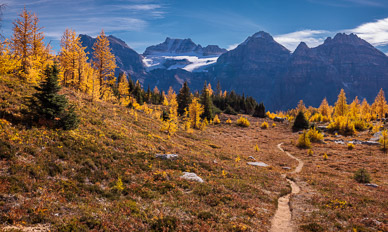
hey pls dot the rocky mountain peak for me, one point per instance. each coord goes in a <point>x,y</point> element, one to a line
<point>343,38</point>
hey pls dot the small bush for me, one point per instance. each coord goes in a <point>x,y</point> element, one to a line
<point>257,148</point>
<point>300,122</point>
<point>310,152</point>
<point>314,135</point>
<point>167,223</point>
<point>264,125</point>
<point>243,122</point>
<point>362,176</point>
<point>350,146</point>
<point>273,124</point>
<point>304,141</point>
<point>325,157</point>
<point>384,140</point>
<point>216,120</point>
<point>228,121</point>
<point>313,227</point>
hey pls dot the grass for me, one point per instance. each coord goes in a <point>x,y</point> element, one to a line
<point>69,180</point>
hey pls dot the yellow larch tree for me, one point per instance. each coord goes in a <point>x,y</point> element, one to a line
<point>8,63</point>
<point>355,108</point>
<point>365,110</point>
<point>105,63</point>
<point>341,106</point>
<point>324,108</point>
<point>123,89</point>
<point>195,112</point>
<point>301,106</point>
<point>380,104</point>
<point>28,46</point>
<point>73,60</point>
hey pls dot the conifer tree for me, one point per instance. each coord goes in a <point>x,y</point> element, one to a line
<point>8,63</point>
<point>183,98</point>
<point>355,107</point>
<point>73,60</point>
<point>46,103</point>
<point>207,103</point>
<point>300,122</point>
<point>195,112</point>
<point>301,106</point>
<point>122,88</point>
<point>137,93</point>
<point>28,46</point>
<point>259,111</point>
<point>341,106</point>
<point>365,108</point>
<point>104,62</point>
<point>324,108</point>
<point>380,104</point>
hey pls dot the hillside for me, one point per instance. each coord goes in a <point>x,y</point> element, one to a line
<point>70,180</point>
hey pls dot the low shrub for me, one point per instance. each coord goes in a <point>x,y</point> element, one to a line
<point>362,176</point>
<point>304,141</point>
<point>243,122</point>
<point>264,125</point>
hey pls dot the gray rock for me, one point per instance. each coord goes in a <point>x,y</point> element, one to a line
<point>371,185</point>
<point>339,141</point>
<point>259,164</point>
<point>370,143</point>
<point>279,119</point>
<point>286,168</point>
<point>322,128</point>
<point>167,156</point>
<point>376,136</point>
<point>251,157</point>
<point>191,176</point>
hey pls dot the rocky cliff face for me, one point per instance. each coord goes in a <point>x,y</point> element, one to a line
<point>262,68</point>
<point>182,47</point>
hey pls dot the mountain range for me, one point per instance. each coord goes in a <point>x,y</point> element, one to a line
<point>260,67</point>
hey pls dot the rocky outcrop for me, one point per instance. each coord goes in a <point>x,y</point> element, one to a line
<point>183,47</point>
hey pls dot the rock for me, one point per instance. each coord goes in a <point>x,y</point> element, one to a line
<point>191,176</point>
<point>286,168</point>
<point>376,136</point>
<point>371,185</point>
<point>279,119</point>
<point>339,141</point>
<point>167,156</point>
<point>370,143</point>
<point>251,157</point>
<point>259,164</point>
<point>215,161</point>
<point>322,128</point>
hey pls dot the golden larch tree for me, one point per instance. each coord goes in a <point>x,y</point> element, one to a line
<point>28,46</point>
<point>105,63</point>
<point>341,106</point>
<point>324,108</point>
<point>380,104</point>
<point>195,112</point>
<point>355,108</point>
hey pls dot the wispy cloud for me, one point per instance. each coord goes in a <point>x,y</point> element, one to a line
<point>311,37</point>
<point>375,33</point>
<point>232,46</point>
<point>87,16</point>
<point>350,3</point>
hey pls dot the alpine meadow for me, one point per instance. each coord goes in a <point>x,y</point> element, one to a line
<point>107,123</point>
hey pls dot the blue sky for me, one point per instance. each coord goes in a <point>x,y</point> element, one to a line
<point>142,23</point>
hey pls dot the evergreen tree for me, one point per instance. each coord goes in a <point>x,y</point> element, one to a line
<point>183,98</point>
<point>48,104</point>
<point>137,93</point>
<point>259,111</point>
<point>207,103</point>
<point>300,122</point>
<point>341,106</point>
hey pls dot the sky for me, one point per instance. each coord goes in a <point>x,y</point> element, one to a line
<point>141,23</point>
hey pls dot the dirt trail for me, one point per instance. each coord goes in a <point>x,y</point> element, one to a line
<point>281,222</point>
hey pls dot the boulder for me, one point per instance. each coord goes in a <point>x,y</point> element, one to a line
<point>376,136</point>
<point>371,185</point>
<point>251,157</point>
<point>259,164</point>
<point>167,156</point>
<point>192,177</point>
<point>279,119</point>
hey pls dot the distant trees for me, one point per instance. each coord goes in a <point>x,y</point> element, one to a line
<point>259,111</point>
<point>380,104</point>
<point>207,103</point>
<point>47,104</point>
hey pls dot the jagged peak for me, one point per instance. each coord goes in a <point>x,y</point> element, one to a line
<point>344,38</point>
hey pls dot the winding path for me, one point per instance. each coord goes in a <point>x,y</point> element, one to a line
<point>281,222</point>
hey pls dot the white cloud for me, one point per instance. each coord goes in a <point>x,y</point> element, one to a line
<point>143,7</point>
<point>231,47</point>
<point>312,38</point>
<point>375,33</point>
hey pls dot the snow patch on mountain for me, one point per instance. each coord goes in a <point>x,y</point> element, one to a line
<point>190,63</point>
